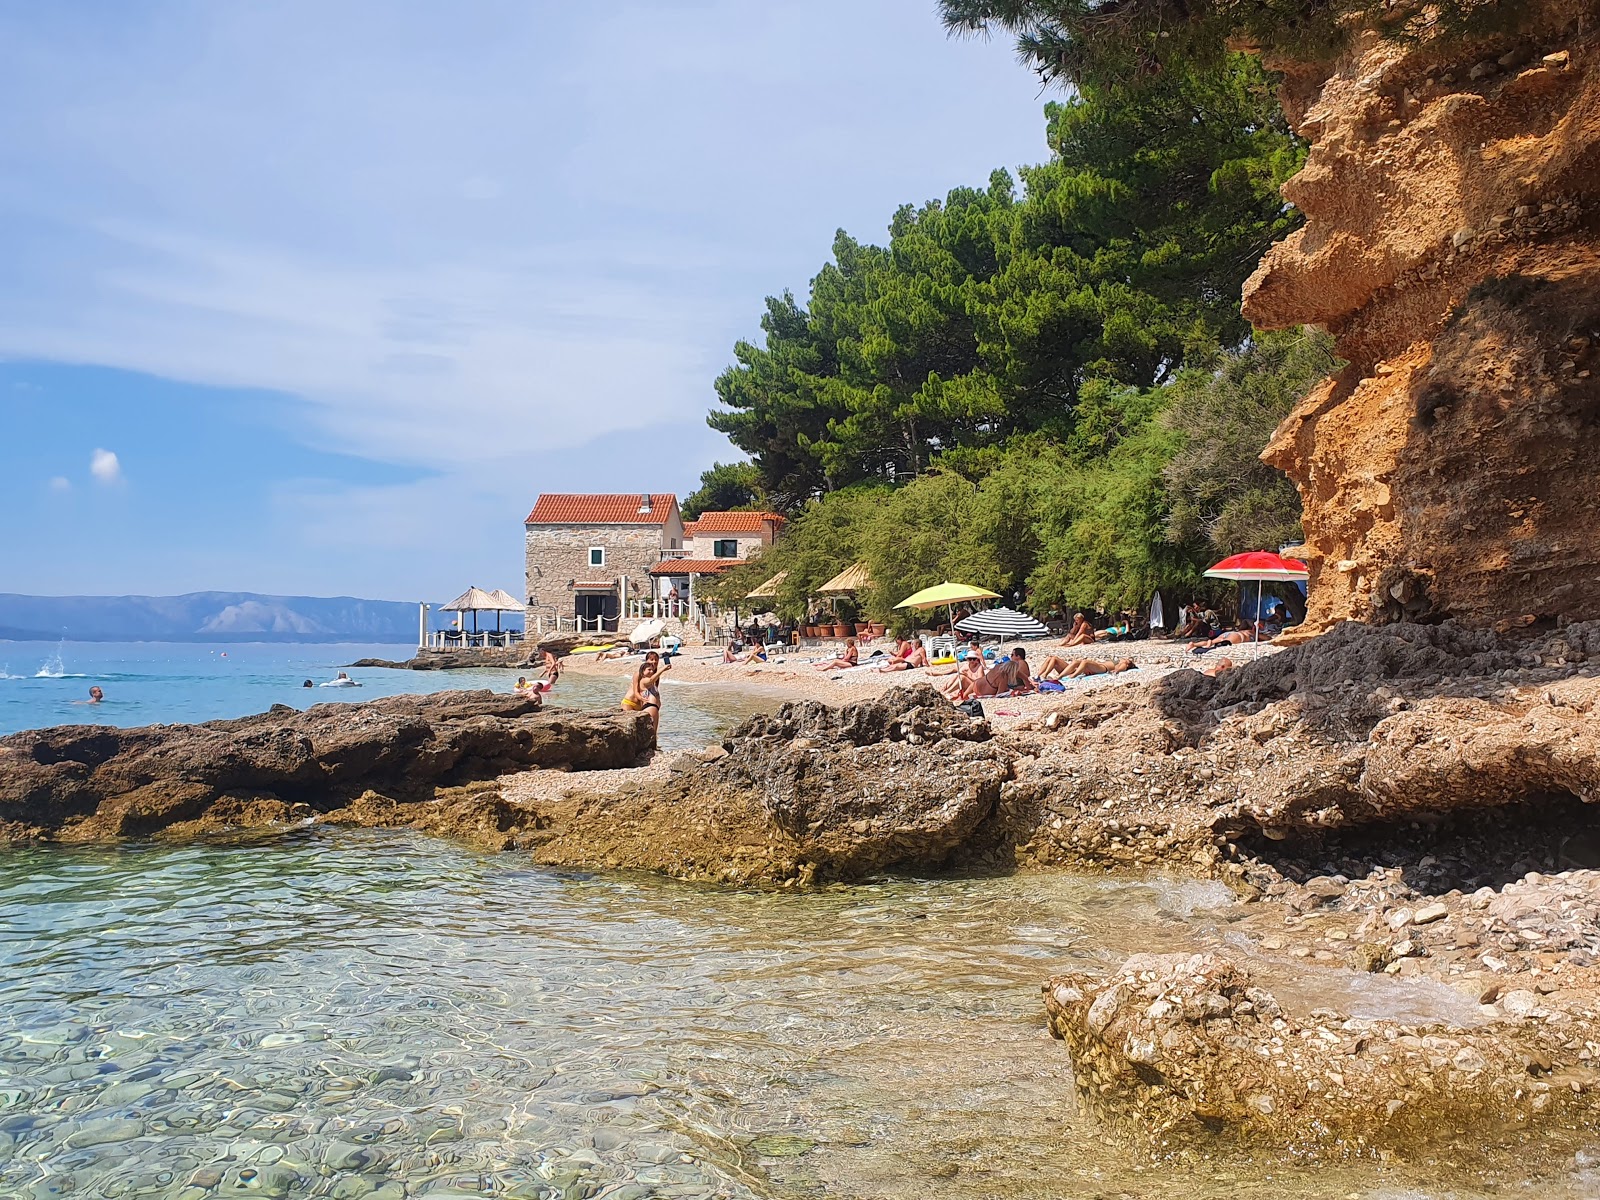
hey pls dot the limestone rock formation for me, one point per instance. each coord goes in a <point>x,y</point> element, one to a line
<point>809,793</point>
<point>79,782</point>
<point>1450,245</point>
<point>1176,1045</point>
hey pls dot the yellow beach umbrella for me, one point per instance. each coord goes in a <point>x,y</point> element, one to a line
<point>948,594</point>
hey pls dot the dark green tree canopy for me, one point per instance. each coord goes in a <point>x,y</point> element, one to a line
<point>1103,44</point>
<point>726,487</point>
<point>987,314</point>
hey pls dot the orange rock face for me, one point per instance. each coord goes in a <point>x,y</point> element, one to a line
<point>1450,245</point>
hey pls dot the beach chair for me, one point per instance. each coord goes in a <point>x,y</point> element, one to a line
<point>942,646</point>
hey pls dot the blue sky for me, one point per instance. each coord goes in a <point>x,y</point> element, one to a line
<point>342,287</point>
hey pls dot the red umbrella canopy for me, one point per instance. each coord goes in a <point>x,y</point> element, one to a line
<point>1259,564</point>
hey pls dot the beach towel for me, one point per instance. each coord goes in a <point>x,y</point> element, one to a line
<point>1052,685</point>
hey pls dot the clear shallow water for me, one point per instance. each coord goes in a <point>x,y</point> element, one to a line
<point>348,1013</point>
<point>153,682</point>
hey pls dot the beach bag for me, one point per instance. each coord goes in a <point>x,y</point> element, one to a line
<point>973,708</point>
<point>1051,685</point>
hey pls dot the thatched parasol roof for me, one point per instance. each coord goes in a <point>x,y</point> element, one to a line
<point>475,599</point>
<point>852,579</point>
<point>768,589</point>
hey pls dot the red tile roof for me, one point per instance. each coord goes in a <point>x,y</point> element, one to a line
<point>731,522</point>
<point>600,508</point>
<point>693,566</point>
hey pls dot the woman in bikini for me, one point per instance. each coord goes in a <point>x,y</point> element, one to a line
<point>1081,633</point>
<point>1008,678</point>
<point>847,658</point>
<point>965,684</point>
<point>644,692</point>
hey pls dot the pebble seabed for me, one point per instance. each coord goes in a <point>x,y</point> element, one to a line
<point>351,1013</point>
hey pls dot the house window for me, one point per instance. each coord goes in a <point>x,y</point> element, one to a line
<point>597,556</point>
<point>725,548</point>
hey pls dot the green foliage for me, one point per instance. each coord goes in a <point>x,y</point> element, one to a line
<point>726,487</point>
<point>992,314</point>
<point>1115,43</point>
<point>1151,487</point>
<point>1221,492</point>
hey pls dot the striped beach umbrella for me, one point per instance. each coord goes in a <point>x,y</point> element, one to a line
<point>1004,623</point>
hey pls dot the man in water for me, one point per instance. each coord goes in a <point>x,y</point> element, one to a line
<point>95,695</point>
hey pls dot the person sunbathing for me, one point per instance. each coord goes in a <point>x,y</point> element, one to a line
<point>906,655</point>
<point>964,686</point>
<point>848,657</point>
<point>1053,666</point>
<point>1081,633</point>
<point>1093,666</point>
<point>1218,667</point>
<point>973,651</point>
<point>1009,677</point>
<point>1234,637</point>
<point>758,654</point>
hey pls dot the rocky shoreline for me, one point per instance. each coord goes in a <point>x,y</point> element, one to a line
<point>1408,805</point>
<point>77,783</point>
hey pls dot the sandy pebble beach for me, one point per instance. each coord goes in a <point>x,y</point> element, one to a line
<point>791,673</point>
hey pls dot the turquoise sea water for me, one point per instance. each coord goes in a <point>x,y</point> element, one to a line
<point>154,682</point>
<point>370,1013</point>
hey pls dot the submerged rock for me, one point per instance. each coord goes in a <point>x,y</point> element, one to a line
<point>1190,1046</point>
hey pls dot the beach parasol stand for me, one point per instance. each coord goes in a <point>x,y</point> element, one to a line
<point>1259,565</point>
<point>507,603</point>
<point>474,600</point>
<point>1003,623</point>
<point>949,595</point>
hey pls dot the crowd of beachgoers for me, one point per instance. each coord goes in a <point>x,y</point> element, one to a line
<point>1007,678</point>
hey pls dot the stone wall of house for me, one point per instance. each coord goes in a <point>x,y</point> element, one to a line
<point>558,553</point>
<point>704,545</point>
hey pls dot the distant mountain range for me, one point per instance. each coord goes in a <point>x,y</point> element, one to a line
<point>210,617</point>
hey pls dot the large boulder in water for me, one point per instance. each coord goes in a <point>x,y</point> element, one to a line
<point>901,780</point>
<point>809,793</point>
<point>77,782</point>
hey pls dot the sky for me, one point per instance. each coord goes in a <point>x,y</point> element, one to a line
<point>299,297</point>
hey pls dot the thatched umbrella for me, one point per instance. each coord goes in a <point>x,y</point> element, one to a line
<point>475,600</point>
<point>508,603</point>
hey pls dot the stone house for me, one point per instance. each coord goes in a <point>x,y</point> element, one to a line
<point>587,555</point>
<point>725,535</point>
<point>714,542</point>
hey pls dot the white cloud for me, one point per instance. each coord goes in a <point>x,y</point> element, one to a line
<point>518,227</point>
<point>60,483</point>
<point>103,465</point>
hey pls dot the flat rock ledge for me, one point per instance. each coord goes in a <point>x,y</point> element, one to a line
<point>76,783</point>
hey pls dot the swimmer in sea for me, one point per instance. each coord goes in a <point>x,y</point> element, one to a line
<point>95,695</point>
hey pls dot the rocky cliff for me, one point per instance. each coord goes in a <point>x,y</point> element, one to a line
<point>1450,246</point>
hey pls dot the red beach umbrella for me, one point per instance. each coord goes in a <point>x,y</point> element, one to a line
<point>1259,565</point>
